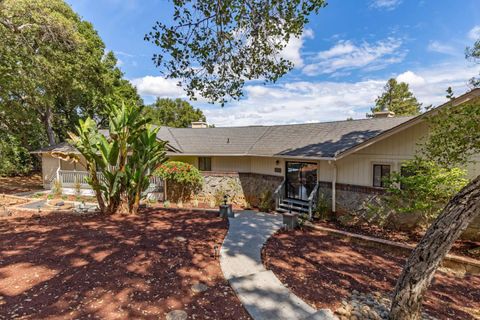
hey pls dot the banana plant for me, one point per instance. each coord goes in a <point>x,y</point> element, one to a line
<point>125,157</point>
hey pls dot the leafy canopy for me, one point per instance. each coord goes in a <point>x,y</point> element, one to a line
<point>213,47</point>
<point>396,97</point>
<point>53,69</point>
<point>173,113</point>
<point>454,134</point>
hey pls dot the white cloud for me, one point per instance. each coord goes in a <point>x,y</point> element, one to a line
<point>385,4</point>
<point>474,33</point>
<point>158,87</point>
<point>316,101</point>
<point>437,46</point>
<point>345,55</point>
<point>411,78</point>
<point>292,51</point>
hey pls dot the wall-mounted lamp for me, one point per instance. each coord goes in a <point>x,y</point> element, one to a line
<point>277,162</point>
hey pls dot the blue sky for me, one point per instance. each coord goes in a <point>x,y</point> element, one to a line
<point>342,61</point>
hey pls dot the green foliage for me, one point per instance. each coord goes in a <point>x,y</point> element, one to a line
<point>322,209</point>
<point>423,188</point>
<point>454,134</point>
<point>473,54</point>
<point>53,71</point>
<point>267,203</point>
<point>213,47</point>
<point>166,204</point>
<point>14,158</point>
<point>182,178</point>
<point>397,98</point>
<point>173,113</point>
<point>125,159</point>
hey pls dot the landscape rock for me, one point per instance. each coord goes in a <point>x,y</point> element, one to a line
<point>177,315</point>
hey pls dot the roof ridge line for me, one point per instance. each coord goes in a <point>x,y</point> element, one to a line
<point>175,138</point>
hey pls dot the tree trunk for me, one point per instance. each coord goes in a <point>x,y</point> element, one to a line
<point>431,250</point>
<point>47,122</point>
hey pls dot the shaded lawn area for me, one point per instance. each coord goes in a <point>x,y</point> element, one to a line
<point>323,270</point>
<point>11,185</point>
<point>62,266</point>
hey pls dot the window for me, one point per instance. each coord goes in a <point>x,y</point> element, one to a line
<point>205,163</point>
<point>380,172</point>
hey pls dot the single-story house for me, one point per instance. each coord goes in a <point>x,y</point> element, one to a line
<point>344,161</point>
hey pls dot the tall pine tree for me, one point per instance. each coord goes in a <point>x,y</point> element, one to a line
<point>397,98</point>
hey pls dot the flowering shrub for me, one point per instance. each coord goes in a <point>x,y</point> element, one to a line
<point>182,179</point>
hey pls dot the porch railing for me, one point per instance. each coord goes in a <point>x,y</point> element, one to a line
<point>279,194</point>
<point>313,200</point>
<point>70,178</point>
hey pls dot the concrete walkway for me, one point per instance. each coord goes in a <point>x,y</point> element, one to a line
<point>259,290</point>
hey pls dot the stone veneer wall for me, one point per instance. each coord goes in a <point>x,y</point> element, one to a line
<point>352,200</point>
<point>240,187</point>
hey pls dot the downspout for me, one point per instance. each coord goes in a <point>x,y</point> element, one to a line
<point>334,187</point>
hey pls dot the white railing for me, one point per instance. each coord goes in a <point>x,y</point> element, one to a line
<point>313,200</point>
<point>70,178</point>
<point>279,194</point>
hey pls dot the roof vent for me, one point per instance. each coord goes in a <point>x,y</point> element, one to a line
<point>384,113</point>
<point>199,125</point>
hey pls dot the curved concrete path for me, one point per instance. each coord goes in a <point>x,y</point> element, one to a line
<point>259,290</point>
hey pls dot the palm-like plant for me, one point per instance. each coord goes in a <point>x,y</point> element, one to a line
<point>125,157</point>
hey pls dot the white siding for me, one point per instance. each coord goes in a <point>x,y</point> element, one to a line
<point>231,164</point>
<point>357,168</point>
<point>49,169</point>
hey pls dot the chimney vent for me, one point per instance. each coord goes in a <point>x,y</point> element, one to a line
<point>199,125</point>
<point>384,113</point>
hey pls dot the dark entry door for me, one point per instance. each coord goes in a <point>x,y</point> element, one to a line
<point>301,178</point>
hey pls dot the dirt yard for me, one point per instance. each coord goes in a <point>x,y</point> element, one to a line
<point>11,185</point>
<point>324,270</point>
<point>62,266</point>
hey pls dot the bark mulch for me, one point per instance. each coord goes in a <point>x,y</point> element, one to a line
<point>461,247</point>
<point>64,266</point>
<point>324,270</point>
<point>11,185</point>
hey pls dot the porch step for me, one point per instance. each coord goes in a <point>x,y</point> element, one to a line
<point>294,206</point>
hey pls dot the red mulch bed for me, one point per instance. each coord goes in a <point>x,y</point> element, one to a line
<point>11,185</point>
<point>460,247</point>
<point>323,270</point>
<point>63,266</point>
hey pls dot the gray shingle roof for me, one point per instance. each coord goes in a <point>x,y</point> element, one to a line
<point>315,140</point>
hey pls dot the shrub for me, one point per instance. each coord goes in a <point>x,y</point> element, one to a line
<point>57,187</point>
<point>14,158</point>
<point>267,202</point>
<point>322,209</point>
<point>219,196</point>
<point>423,188</point>
<point>182,179</point>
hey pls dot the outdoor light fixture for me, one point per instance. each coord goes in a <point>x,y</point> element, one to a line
<point>277,162</point>
<point>225,199</point>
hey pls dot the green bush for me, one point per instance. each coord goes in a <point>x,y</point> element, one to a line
<point>267,203</point>
<point>423,188</point>
<point>182,179</point>
<point>322,209</point>
<point>14,158</point>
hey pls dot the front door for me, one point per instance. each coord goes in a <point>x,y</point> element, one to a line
<point>300,180</point>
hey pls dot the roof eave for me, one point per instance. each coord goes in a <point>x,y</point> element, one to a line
<point>409,123</point>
